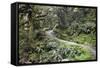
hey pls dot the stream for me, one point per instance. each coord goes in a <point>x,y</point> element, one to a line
<point>51,34</point>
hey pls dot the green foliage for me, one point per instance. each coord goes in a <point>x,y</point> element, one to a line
<point>55,34</point>
<point>85,39</point>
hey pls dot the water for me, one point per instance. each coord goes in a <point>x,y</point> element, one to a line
<point>51,34</point>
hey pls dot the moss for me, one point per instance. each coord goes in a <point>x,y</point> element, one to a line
<point>85,39</point>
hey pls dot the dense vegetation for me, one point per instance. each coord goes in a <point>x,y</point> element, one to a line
<point>56,34</point>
